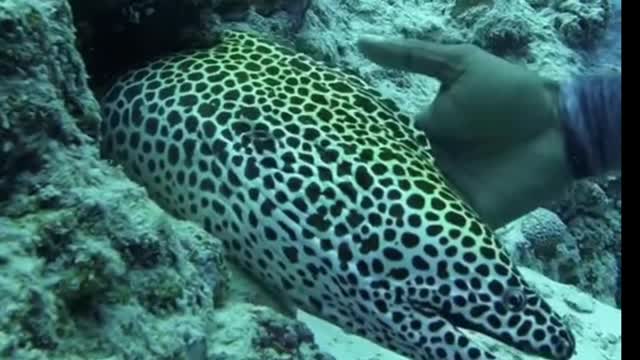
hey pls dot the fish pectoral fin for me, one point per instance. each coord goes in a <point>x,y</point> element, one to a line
<point>439,338</point>
<point>245,288</point>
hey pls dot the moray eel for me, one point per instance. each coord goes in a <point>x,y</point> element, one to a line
<point>323,190</point>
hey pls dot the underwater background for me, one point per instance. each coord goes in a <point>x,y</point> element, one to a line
<point>92,268</point>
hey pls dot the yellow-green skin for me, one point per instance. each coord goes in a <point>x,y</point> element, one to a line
<point>321,189</point>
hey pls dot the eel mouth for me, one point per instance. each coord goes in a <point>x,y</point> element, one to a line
<point>457,321</point>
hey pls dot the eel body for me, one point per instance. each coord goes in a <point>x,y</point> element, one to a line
<point>323,190</point>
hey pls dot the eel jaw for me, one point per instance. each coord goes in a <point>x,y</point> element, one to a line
<point>456,321</point>
<point>440,339</point>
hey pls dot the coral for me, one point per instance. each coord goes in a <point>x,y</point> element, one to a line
<point>586,255</point>
<point>546,245</point>
<point>545,232</point>
<point>581,249</point>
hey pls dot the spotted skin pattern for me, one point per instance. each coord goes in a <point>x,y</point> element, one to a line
<point>322,189</point>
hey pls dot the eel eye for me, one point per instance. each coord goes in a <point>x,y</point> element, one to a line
<point>514,299</point>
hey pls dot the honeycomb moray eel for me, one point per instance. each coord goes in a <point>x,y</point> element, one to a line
<point>321,188</point>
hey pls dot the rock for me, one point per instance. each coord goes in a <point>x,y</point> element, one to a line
<point>607,56</point>
<point>591,209</point>
<point>612,187</point>
<point>250,332</point>
<point>332,28</point>
<point>234,10</point>
<point>581,303</point>
<point>117,34</point>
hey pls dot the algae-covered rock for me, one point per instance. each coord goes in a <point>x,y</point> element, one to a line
<point>105,261</point>
<point>248,332</point>
<point>461,6</point>
<point>34,117</point>
<point>584,198</point>
<point>90,267</point>
<point>505,34</point>
<point>581,24</point>
<point>592,211</point>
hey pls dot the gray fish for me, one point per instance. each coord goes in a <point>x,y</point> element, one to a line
<point>321,188</point>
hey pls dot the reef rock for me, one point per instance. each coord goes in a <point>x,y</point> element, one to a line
<point>91,268</point>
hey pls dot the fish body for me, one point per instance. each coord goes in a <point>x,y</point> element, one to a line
<point>321,188</point>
